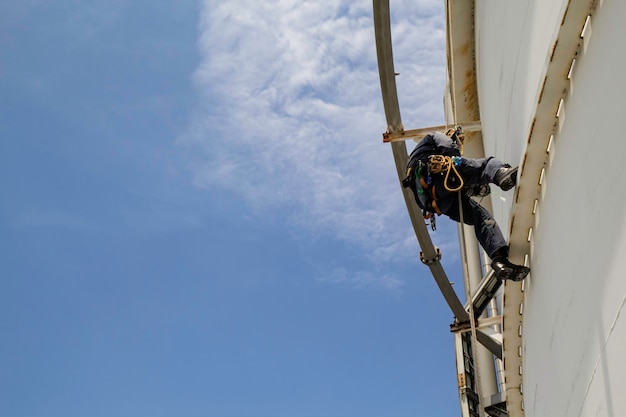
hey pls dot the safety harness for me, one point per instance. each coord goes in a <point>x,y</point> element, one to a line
<point>420,173</point>
<point>442,163</point>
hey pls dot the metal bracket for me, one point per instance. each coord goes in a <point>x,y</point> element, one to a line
<point>417,134</point>
<point>486,291</point>
<point>430,261</point>
<point>492,344</point>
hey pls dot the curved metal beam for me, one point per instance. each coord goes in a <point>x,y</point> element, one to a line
<point>382,29</point>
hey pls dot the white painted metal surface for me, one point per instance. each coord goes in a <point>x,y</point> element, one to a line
<point>533,97</point>
<point>575,320</point>
<point>513,41</point>
<point>565,335</point>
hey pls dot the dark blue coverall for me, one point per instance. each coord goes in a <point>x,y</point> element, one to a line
<point>473,171</point>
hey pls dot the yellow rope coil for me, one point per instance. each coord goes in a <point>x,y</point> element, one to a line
<point>443,163</point>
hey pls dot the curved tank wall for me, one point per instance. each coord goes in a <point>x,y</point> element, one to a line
<point>574,322</point>
<point>513,41</point>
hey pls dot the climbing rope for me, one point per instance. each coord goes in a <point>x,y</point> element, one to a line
<point>468,297</point>
<point>447,164</point>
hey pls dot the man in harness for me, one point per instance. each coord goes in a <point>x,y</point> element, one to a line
<point>439,176</point>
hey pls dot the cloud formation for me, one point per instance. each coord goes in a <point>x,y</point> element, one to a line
<point>291,112</point>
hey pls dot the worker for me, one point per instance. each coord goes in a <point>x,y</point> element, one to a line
<point>439,176</point>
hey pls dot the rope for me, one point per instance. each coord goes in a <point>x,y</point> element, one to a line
<point>468,296</point>
<point>443,163</point>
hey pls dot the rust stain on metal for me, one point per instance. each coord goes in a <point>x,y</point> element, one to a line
<point>532,127</point>
<point>470,94</point>
<point>553,50</point>
<point>565,14</point>
<point>470,137</point>
<point>463,49</point>
<point>543,87</point>
<point>522,165</point>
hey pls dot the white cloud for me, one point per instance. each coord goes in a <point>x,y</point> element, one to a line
<point>292,115</point>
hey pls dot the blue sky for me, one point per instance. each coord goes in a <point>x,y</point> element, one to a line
<point>199,217</point>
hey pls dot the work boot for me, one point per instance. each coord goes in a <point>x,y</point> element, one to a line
<point>506,177</point>
<point>504,269</point>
